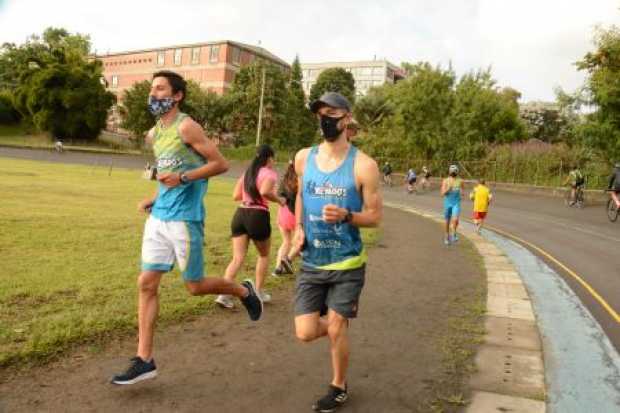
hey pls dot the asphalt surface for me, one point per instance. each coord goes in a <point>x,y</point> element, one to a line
<point>582,239</point>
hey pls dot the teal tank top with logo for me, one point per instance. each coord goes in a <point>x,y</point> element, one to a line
<point>331,246</point>
<point>183,202</point>
<point>453,196</point>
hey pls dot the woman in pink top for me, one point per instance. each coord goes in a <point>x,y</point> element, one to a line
<point>255,188</point>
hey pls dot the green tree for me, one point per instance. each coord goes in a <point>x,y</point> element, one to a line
<point>136,117</point>
<point>334,79</point>
<point>244,100</point>
<point>423,104</point>
<point>373,108</point>
<point>300,122</point>
<point>8,113</point>
<point>55,85</point>
<point>602,128</point>
<point>480,115</point>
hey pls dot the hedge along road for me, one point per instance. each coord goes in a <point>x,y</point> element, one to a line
<point>583,240</point>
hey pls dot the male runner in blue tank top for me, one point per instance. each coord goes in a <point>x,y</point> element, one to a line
<point>173,233</point>
<point>338,194</point>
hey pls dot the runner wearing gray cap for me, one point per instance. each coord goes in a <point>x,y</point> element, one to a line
<point>339,192</point>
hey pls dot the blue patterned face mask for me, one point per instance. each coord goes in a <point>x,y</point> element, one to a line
<point>158,107</point>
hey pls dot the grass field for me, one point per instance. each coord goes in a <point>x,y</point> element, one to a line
<point>70,240</point>
<point>18,136</point>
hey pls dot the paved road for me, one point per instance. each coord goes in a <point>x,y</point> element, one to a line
<point>583,240</point>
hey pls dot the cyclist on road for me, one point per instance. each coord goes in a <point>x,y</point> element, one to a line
<point>411,180</point>
<point>614,184</point>
<point>577,180</point>
<point>387,174</point>
<point>426,174</point>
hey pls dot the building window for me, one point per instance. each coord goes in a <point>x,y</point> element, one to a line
<point>195,55</point>
<point>366,71</point>
<point>114,80</point>
<point>378,71</point>
<point>214,54</point>
<point>236,55</point>
<point>177,56</point>
<point>161,58</point>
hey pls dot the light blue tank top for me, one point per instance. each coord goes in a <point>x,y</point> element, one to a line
<point>453,196</point>
<point>183,202</point>
<point>331,246</point>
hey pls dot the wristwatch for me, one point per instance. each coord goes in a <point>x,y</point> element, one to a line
<point>183,178</point>
<point>348,217</point>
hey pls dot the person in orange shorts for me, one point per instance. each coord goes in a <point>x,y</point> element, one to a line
<point>481,195</point>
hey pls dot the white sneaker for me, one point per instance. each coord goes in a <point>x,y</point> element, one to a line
<point>225,301</point>
<point>265,297</point>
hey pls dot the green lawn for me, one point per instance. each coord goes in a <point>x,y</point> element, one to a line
<point>70,239</point>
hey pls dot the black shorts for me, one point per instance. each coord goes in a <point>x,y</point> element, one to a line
<point>317,290</point>
<point>412,181</point>
<point>253,222</point>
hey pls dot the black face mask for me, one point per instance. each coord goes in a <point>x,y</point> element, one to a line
<point>329,127</point>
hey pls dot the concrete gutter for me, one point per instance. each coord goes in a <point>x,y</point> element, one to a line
<point>510,372</point>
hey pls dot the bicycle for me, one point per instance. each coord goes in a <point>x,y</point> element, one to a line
<point>579,200</point>
<point>387,180</point>
<point>612,209</point>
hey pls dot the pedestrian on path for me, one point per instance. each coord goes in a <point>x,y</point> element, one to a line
<point>482,197</point>
<point>451,190</point>
<point>251,222</point>
<point>338,193</point>
<point>286,222</point>
<point>174,230</point>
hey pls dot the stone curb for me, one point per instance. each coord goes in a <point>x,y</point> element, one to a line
<point>510,373</point>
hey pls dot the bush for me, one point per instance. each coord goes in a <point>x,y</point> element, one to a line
<point>8,113</point>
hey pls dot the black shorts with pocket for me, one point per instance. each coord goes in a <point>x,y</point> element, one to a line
<point>319,290</point>
<point>253,222</point>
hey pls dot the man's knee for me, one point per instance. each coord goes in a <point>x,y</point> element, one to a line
<point>337,327</point>
<point>305,336</point>
<point>306,331</point>
<point>148,283</point>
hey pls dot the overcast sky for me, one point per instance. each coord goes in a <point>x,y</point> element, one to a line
<point>531,45</point>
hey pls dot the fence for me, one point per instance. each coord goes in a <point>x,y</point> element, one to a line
<point>520,171</point>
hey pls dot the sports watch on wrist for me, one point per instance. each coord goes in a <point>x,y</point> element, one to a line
<point>348,217</point>
<point>183,178</point>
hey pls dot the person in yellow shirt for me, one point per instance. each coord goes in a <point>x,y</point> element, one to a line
<point>481,195</point>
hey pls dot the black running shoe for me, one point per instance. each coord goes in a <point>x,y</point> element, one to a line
<point>252,302</point>
<point>334,398</point>
<point>287,266</point>
<point>138,370</point>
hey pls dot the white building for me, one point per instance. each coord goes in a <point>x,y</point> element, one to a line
<point>366,73</point>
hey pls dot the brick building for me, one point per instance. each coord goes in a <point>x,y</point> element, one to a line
<point>213,64</point>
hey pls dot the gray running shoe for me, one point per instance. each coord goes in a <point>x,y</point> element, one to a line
<point>225,301</point>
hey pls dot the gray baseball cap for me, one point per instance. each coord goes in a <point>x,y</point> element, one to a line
<point>333,99</point>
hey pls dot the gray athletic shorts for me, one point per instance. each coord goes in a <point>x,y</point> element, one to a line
<point>318,290</point>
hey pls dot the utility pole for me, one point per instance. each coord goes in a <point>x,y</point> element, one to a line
<point>260,110</point>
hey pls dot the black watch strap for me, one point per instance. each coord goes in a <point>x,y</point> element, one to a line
<point>183,178</point>
<point>348,217</point>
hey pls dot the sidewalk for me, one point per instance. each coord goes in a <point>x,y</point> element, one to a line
<point>416,295</point>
